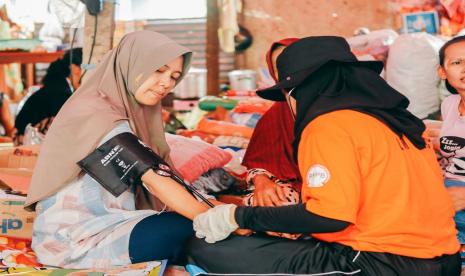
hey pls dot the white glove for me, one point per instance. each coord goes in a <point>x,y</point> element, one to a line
<point>216,224</point>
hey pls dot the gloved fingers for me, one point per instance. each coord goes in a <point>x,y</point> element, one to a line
<point>215,237</point>
<point>215,224</point>
<point>199,227</point>
<point>210,240</point>
<point>196,224</point>
<point>200,234</point>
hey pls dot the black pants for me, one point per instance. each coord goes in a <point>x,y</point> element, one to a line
<point>261,254</point>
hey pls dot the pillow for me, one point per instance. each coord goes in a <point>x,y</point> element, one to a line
<point>192,158</point>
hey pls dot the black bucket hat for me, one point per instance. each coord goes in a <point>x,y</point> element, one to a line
<point>307,55</point>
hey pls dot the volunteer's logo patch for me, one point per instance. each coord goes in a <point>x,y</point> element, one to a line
<point>317,176</point>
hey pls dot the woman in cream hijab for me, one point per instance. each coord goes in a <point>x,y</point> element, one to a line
<point>79,224</point>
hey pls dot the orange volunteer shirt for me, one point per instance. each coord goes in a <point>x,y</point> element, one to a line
<point>355,169</point>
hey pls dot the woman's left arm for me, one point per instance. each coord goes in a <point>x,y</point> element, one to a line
<point>6,120</point>
<point>173,195</point>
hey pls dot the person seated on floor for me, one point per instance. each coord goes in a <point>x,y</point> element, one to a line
<point>5,120</point>
<point>272,171</point>
<point>102,187</point>
<point>373,197</point>
<point>452,134</point>
<point>61,79</point>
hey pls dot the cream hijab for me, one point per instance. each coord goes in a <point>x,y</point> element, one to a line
<point>104,99</point>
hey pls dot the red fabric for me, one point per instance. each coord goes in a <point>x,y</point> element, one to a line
<point>282,42</point>
<point>270,147</point>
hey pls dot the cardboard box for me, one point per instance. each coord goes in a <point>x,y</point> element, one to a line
<point>19,157</point>
<point>17,180</point>
<point>16,165</point>
<point>14,220</point>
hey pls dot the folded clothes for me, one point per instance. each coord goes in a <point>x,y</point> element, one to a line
<point>215,181</point>
<point>231,141</point>
<point>200,135</point>
<point>253,106</point>
<point>245,119</point>
<point>224,128</point>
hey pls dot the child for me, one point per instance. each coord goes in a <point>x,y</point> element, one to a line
<point>452,136</point>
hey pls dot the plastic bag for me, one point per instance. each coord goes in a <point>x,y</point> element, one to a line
<point>373,43</point>
<point>32,136</point>
<point>411,70</point>
<point>51,33</point>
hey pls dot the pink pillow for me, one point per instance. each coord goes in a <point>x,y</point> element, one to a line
<point>192,158</point>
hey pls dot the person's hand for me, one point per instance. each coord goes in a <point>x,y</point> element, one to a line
<point>243,232</point>
<point>13,133</point>
<point>216,224</point>
<point>284,235</point>
<point>18,139</point>
<point>44,125</point>
<point>432,133</point>
<point>458,197</point>
<point>239,232</point>
<point>267,193</point>
<point>432,136</point>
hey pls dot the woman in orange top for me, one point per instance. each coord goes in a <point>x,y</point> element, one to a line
<point>372,192</point>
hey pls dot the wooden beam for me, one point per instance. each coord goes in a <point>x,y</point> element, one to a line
<point>104,34</point>
<point>29,57</point>
<point>212,54</point>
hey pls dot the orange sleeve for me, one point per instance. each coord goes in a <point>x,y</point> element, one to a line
<point>330,171</point>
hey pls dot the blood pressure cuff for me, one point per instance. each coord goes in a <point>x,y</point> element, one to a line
<point>121,161</point>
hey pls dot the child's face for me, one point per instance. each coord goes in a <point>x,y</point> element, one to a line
<point>454,66</point>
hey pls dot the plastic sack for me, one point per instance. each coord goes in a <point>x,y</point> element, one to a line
<point>32,136</point>
<point>51,34</point>
<point>411,70</point>
<point>373,43</point>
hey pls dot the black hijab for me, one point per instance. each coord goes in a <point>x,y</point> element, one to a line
<point>328,77</point>
<point>337,86</point>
